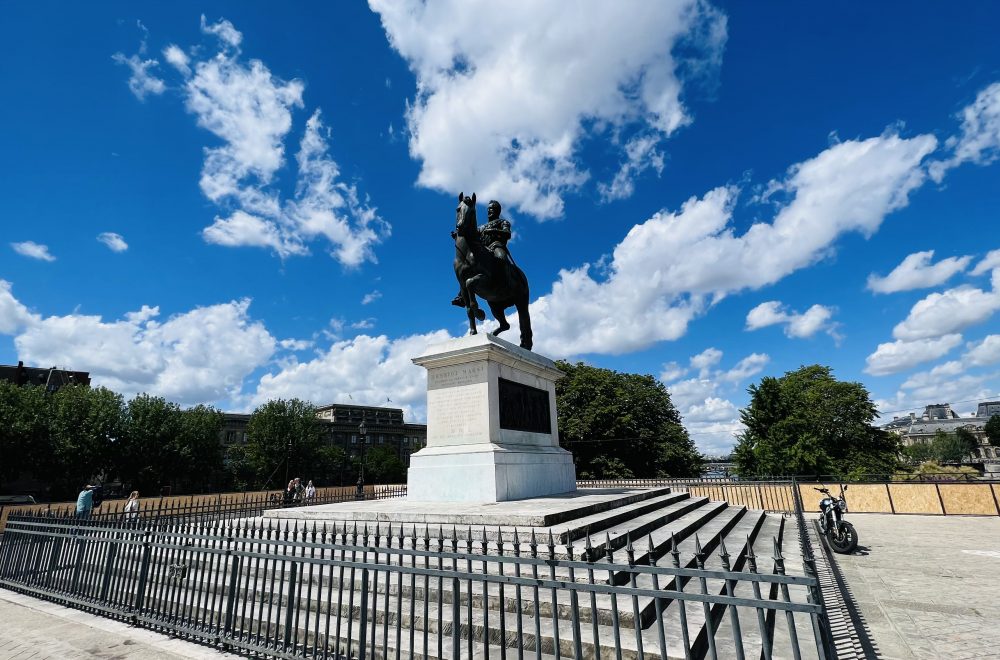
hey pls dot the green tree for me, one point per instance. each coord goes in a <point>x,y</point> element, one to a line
<point>198,446</point>
<point>383,466</point>
<point>86,427</point>
<point>151,454</point>
<point>621,424</point>
<point>808,422</point>
<point>949,447</point>
<point>277,429</point>
<point>24,433</point>
<point>992,429</point>
<point>919,452</point>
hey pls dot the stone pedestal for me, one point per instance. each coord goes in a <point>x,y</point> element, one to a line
<point>492,434</point>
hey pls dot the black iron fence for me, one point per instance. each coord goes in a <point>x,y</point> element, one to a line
<point>207,509</point>
<point>342,591</point>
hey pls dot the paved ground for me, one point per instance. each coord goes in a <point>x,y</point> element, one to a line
<point>927,586</point>
<point>35,629</point>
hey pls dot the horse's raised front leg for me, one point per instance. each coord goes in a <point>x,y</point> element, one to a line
<point>498,314</point>
<point>472,305</point>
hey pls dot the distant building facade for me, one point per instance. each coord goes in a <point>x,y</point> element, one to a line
<point>914,429</point>
<point>51,378</point>
<point>384,427</point>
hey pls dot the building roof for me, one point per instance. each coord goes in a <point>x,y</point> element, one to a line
<point>52,377</point>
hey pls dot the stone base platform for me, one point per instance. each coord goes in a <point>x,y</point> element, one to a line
<point>533,512</point>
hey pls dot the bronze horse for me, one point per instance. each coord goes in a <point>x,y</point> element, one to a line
<point>480,273</point>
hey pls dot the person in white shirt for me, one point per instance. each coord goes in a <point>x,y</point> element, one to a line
<point>132,506</point>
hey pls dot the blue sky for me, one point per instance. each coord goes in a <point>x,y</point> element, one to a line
<point>231,202</point>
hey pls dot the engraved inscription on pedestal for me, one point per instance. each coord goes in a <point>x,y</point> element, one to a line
<point>523,408</point>
<point>456,413</point>
<point>466,374</point>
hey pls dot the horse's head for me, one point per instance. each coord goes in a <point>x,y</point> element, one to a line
<point>465,214</point>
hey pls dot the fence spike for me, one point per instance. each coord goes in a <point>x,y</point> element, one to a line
<point>697,544</point>
<point>777,548</point>
<point>609,551</point>
<point>651,550</point>
<point>751,557</point>
<point>722,550</point>
<point>486,542</point>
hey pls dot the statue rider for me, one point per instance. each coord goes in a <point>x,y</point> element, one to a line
<point>494,236</point>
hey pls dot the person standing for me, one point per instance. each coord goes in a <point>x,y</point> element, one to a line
<point>85,502</point>
<point>132,506</point>
<point>299,490</point>
<point>310,491</point>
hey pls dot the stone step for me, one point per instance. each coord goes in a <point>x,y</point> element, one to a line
<point>640,526</point>
<point>618,517</point>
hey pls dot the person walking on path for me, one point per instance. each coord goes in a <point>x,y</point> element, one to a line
<point>299,490</point>
<point>290,493</point>
<point>85,502</point>
<point>310,491</point>
<point>132,506</point>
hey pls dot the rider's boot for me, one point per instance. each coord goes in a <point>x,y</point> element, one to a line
<point>458,301</point>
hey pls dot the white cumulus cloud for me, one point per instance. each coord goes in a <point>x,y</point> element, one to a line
<point>202,355</point>
<point>802,325</point>
<point>983,352</point>
<point>917,272</point>
<point>711,418</point>
<point>988,263</point>
<point>13,314</point>
<point>114,241</point>
<point>947,312</point>
<point>670,268</point>
<point>33,250</point>
<point>979,139</point>
<point>252,113</point>
<point>507,92</point>
<point>141,81</point>
<point>900,355</point>
<point>364,370</point>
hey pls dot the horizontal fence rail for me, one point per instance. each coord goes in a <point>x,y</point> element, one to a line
<point>208,508</point>
<point>898,496</point>
<point>376,592</point>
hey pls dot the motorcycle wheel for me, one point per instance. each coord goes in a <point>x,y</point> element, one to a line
<point>843,540</point>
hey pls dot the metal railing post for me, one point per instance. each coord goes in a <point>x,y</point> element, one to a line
<point>234,577</point>
<point>140,591</point>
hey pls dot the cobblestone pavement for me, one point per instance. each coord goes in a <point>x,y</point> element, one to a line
<point>35,629</point>
<point>927,586</point>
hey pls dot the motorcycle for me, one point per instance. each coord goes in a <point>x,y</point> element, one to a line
<point>841,534</point>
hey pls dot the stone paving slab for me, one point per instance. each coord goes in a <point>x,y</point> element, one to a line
<point>928,587</point>
<point>35,629</point>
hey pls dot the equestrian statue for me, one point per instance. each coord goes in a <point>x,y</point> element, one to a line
<point>484,268</point>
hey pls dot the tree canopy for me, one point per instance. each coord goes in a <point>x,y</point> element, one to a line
<point>992,429</point>
<point>943,447</point>
<point>280,428</point>
<point>808,422</point>
<point>621,425</point>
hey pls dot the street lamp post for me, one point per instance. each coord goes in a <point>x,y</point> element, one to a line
<point>288,453</point>
<point>362,438</point>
